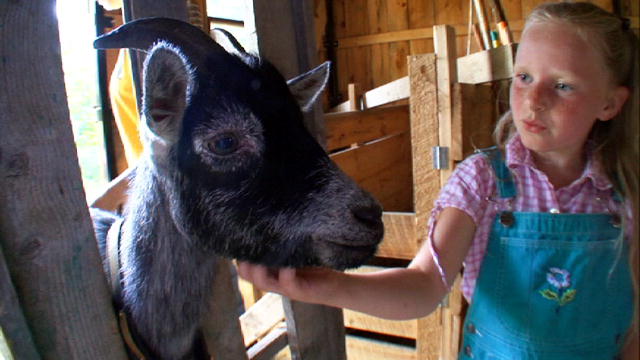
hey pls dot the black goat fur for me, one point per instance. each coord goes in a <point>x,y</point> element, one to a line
<point>228,170</point>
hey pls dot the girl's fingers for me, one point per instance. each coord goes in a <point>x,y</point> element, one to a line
<point>261,276</point>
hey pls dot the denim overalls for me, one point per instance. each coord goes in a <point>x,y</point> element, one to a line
<point>551,286</point>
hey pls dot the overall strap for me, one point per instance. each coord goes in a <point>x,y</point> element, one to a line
<point>504,181</point>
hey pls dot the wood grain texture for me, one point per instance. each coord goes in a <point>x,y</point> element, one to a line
<point>221,324</point>
<point>360,348</point>
<point>46,234</point>
<point>424,136</point>
<point>382,167</point>
<point>400,241</point>
<point>344,129</point>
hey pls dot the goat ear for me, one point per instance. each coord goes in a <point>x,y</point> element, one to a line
<point>167,85</point>
<point>307,87</point>
<point>228,42</point>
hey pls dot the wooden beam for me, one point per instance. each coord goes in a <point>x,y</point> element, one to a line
<point>221,324</point>
<point>14,330</point>
<point>400,240</point>
<point>489,65</point>
<point>270,345</point>
<point>382,167</point>
<point>361,348</point>
<point>382,95</point>
<point>357,127</point>
<point>45,231</point>
<point>445,45</point>
<point>314,332</point>
<point>262,317</point>
<point>412,34</point>
<point>390,92</point>
<point>424,119</point>
<point>286,37</point>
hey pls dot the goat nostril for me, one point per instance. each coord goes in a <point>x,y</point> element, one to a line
<point>368,214</point>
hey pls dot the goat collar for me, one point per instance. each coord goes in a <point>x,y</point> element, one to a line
<point>113,257</point>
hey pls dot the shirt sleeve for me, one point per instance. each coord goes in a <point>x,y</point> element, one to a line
<point>468,189</point>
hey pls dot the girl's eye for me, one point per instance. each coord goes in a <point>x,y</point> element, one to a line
<point>563,87</point>
<point>224,144</point>
<point>522,77</point>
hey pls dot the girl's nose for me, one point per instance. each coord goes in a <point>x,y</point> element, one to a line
<point>536,98</point>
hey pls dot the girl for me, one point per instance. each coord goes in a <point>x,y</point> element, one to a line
<point>538,221</point>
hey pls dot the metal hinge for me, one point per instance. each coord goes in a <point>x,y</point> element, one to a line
<point>440,157</point>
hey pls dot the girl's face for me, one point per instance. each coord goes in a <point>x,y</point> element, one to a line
<point>560,89</point>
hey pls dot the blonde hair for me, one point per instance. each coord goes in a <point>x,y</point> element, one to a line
<point>616,141</point>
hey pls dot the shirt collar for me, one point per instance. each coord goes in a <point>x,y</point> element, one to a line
<point>518,155</point>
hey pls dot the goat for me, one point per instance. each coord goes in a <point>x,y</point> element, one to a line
<point>228,169</point>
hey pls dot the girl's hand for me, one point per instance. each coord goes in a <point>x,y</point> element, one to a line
<point>308,284</point>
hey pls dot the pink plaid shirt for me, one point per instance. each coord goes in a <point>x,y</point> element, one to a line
<point>472,189</point>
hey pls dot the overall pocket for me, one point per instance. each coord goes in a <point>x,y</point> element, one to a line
<point>561,292</point>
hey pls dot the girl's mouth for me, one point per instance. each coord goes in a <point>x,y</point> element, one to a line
<point>533,126</point>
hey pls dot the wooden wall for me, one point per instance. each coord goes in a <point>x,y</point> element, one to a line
<point>374,37</point>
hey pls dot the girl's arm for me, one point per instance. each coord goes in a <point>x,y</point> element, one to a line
<point>396,293</point>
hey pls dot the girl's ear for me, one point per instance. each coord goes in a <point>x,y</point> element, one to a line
<point>617,97</point>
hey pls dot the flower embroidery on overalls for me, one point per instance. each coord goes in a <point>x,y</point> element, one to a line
<point>560,279</point>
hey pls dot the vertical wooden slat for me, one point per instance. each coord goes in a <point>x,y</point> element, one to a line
<point>221,326</point>
<point>445,44</point>
<point>424,119</point>
<point>380,58</point>
<point>45,231</point>
<point>314,332</point>
<point>13,325</point>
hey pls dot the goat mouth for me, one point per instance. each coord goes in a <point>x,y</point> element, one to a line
<point>352,248</point>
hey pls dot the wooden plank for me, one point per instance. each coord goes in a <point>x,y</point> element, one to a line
<point>418,34</point>
<point>387,37</point>
<point>429,341</point>
<point>270,346</point>
<point>344,129</point>
<point>221,325</point>
<point>393,91</point>
<point>16,341</point>
<point>359,348</point>
<point>485,66</point>
<point>390,92</point>
<point>382,167</point>
<point>354,94</point>
<point>380,58</point>
<point>424,119</point>
<point>114,196</point>
<point>400,241</point>
<point>359,162</point>
<point>314,331</point>
<point>478,116</point>
<point>261,318</point>
<point>284,33</point>
<point>360,321</point>
<point>446,75</point>
<point>45,231</point>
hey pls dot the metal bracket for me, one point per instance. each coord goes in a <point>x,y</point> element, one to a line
<point>440,157</point>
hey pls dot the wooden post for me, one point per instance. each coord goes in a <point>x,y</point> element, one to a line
<point>285,31</point>
<point>285,36</point>
<point>222,325</point>
<point>12,322</point>
<point>449,134</point>
<point>315,332</point>
<point>424,122</point>
<point>45,231</point>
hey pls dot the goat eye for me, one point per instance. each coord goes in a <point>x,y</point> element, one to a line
<point>225,144</point>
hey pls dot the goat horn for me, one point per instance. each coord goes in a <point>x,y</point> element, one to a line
<point>142,34</point>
